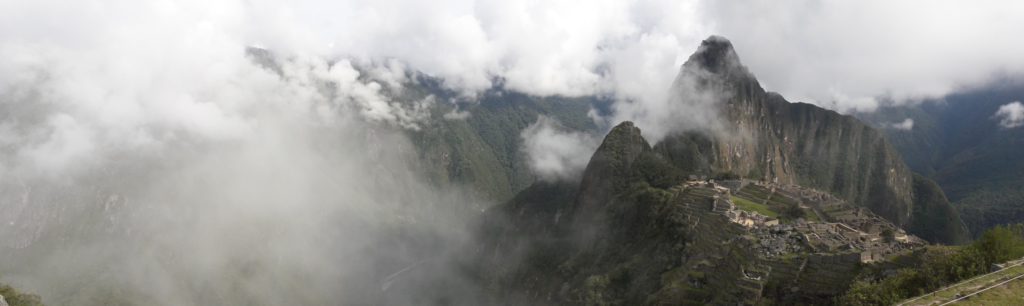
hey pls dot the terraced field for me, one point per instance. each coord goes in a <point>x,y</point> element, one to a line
<point>766,202</point>
<point>993,287</point>
<point>749,205</point>
<point>1011,293</point>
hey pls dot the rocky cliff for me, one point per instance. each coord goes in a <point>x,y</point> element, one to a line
<point>760,135</point>
<point>632,233</point>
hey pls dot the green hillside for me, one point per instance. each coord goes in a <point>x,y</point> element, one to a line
<point>957,142</point>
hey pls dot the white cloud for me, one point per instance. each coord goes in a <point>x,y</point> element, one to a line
<point>686,106</point>
<point>842,54</point>
<point>158,98</point>
<point>1010,115</point>
<point>554,153</point>
<point>839,55</point>
<point>905,125</point>
<point>140,136</point>
<point>457,114</point>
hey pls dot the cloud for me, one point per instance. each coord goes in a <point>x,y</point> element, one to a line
<point>145,151</point>
<point>1010,115</point>
<point>554,153</point>
<point>688,105</point>
<point>906,125</point>
<point>457,114</point>
<point>843,55</point>
<point>207,166</point>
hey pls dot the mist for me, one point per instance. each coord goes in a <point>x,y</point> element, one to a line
<point>252,152</point>
<point>197,171</point>
<point>292,214</point>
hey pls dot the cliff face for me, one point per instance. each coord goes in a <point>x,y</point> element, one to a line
<point>629,233</point>
<point>956,141</point>
<point>614,238</point>
<point>760,135</point>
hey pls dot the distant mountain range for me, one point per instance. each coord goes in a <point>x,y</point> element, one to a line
<point>959,142</point>
<point>764,199</point>
<point>631,230</point>
<point>758,135</point>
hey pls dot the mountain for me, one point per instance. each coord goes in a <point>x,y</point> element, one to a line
<point>755,134</point>
<point>763,136</point>
<point>476,140</point>
<point>633,231</point>
<point>803,199</point>
<point>958,142</point>
<point>483,150</point>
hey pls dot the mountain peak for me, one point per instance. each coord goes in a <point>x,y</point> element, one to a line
<point>626,135</point>
<point>610,166</point>
<point>716,55</point>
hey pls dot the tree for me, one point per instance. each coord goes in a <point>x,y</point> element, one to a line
<point>15,298</point>
<point>793,211</point>
<point>888,235</point>
<point>1000,244</point>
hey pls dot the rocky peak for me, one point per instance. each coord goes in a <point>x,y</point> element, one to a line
<point>620,148</point>
<point>612,160</point>
<point>716,58</point>
<point>625,140</point>
<point>764,137</point>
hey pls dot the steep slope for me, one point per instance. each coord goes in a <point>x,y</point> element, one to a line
<point>612,242</point>
<point>632,232</point>
<point>470,141</point>
<point>760,135</point>
<point>483,150</point>
<point>957,142</point>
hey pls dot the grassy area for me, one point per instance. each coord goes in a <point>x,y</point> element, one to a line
<point>748,205</point>
<point>973,285</point>
<point>754,192</point>
<point>965,269</point>
<point>811,216</point>
<point>1011,293</point>
<point>781,200</point>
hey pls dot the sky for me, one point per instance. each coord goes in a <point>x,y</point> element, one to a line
<point>140,99</point>
<point>841,55</point>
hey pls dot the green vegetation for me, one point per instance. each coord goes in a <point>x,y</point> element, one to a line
<point>949,293</point>
<point>484,150</point>
<point>934,218</point>
<point>888,235</point>
<point>15,298</point>
<point>811,216</point>
<point>776,205</point>
<point>1008,294</point>
<point>954,142</point>
<point>793,211</point>
<point>748,205</point>
<point>938,269</point>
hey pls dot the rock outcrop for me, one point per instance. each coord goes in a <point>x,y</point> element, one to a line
<point>760,135</point>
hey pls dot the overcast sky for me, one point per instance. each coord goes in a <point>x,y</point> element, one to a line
<point>839,54</point>
<point>155,104</point>
<point>79,76</point>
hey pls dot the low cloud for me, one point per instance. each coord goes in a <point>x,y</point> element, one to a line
<point>905,125</point>
<point>556,153</point>
<point>185,174</point>
<point>844,55</point>
<point>457,114</point>
<point>1010,115</point>
<point>144,150</point>
<point>688,105</point>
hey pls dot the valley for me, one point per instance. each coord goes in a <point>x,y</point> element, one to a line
<point>481,152</point>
